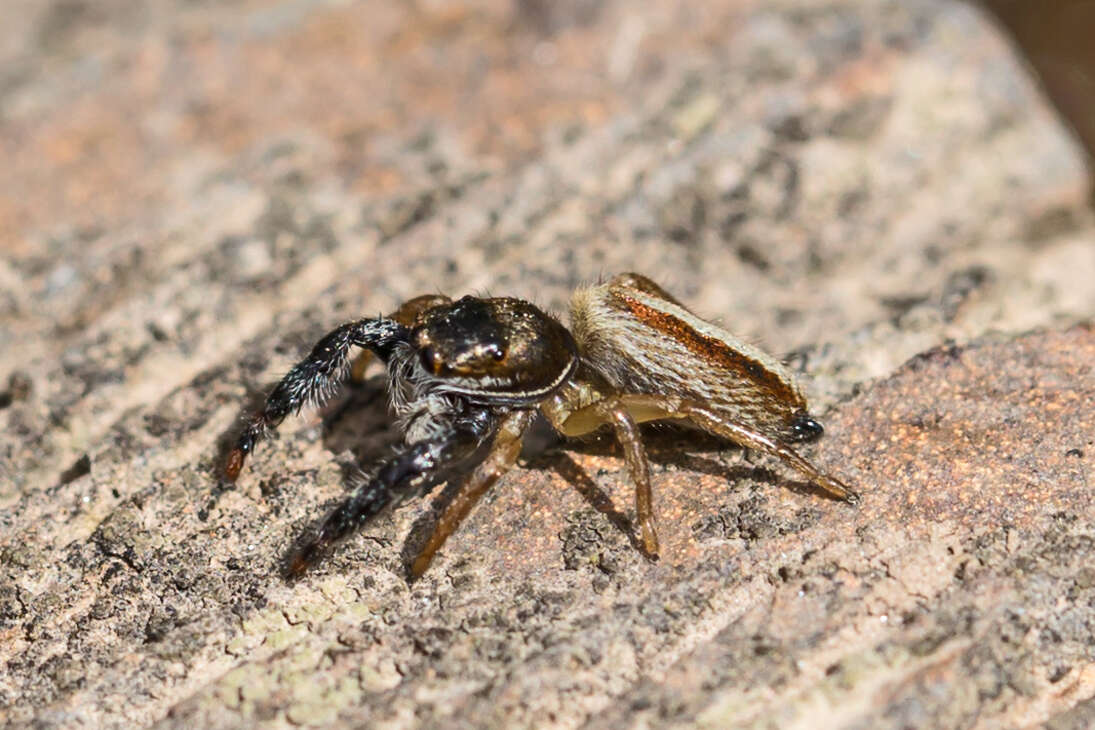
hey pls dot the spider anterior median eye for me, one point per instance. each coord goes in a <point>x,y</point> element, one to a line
<point>433,361</point>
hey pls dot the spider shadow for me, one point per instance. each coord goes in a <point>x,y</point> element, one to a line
<point>666,445</point>
<point>356,420</point>
<point>682,447</point>
<point>359,422</point>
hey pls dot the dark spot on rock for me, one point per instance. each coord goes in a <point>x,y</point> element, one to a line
<point>1058,673</point>
<point>683,217</point>
<point>79,468</point>
<point>433,641</point>
<point>901,304</point>
<point>405,213</point>
<point>156,424</point>
<point>550,17</point>
<point>19,389</point>
<point>750,256</point>
<point>959,286</point>
<point>790,128</point>
<point>1051,224</point>
<point>862,119</point>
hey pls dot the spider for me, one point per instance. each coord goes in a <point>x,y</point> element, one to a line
<point>467,377</point>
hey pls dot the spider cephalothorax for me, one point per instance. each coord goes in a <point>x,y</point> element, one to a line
<point>467,378</point>
<point>494,351</point>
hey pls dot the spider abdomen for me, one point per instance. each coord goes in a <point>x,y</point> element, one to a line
<point>639,339</point>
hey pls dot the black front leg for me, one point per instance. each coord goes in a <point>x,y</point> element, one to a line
<point>314,379</point>
<point>417,466</point>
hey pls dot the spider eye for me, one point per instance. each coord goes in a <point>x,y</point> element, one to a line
<point>434,362</point>
<point>497,352</point>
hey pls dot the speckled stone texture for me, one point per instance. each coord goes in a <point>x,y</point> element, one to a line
<point>194,192</point>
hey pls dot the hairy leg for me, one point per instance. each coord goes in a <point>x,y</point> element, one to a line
<point>640,408</point>
<point>503,454</point>
<point>714,422</point>
<point>406,315</point>
<point>313,380</point>
<point>627,433</point>
<point>416,467</point>
<point>611,411</point>
<point>657,407</point>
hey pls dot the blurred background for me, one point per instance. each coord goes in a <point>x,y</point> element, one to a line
<point>1056,38</point>
<point>202,73</point>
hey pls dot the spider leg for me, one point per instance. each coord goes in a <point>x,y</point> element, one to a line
<point>313,379</point>
<point>625,425</point>
<point>658,407</point>
<point>624,412</point>
<point>414,469</point>
<point>406,314</point>
<point>627,433</point>
<point>503,453</point>
<point>719,424</point>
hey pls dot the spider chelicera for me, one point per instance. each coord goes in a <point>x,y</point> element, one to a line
<point>468,376</point>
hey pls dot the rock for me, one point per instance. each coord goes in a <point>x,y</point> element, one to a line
<point>196,194</point>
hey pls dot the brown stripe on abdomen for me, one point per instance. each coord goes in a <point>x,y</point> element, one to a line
<point>712,351</point>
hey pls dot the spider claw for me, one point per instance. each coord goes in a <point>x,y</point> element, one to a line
<point>652,555</point>
<point>649,539</point>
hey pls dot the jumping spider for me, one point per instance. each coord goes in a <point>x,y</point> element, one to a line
<point>468,376</point>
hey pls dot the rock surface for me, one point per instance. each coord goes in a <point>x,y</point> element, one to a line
<point>196,192</point>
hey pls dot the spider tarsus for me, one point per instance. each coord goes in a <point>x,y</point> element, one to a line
<point>301,561</point>
<point>420,565</point>
<point>838,489</point>
<point>245,444</point>
<point>652,555</point>
<point>424,559</point>
<point>649,539</point>
<point>233,465</point>
<point>296,568</point>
